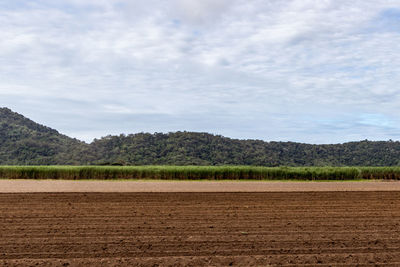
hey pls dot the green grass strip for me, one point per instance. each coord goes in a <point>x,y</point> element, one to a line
<point>199,173</point>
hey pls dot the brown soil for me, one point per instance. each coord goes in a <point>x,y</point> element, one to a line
<point>200,229</point>
<point>29,186</point>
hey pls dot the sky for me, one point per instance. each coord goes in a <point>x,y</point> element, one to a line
<point>311,71</point>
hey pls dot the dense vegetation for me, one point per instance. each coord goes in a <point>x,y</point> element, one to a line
<point>198,172</point>
<point>24,142</point>
<point>187,148</point>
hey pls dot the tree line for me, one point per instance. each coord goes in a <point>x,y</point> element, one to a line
<point>24,142</point>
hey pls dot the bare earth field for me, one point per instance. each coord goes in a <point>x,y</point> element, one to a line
<point>200,229</point>
<point>52,186</point>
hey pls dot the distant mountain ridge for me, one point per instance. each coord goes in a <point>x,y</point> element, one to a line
<point>24,142</point>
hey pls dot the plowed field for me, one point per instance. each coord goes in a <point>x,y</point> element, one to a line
<point>200,229</point>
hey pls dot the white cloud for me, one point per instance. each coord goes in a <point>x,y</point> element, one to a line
<point>201,12</point>
<point>274,70</point>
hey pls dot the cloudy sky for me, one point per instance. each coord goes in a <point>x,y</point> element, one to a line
<point>314,71</point>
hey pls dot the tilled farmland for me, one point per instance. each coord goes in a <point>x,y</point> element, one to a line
<point>200,229</point>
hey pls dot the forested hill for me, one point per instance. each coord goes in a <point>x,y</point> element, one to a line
<point>183,148</point>
<point>23,141</point>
